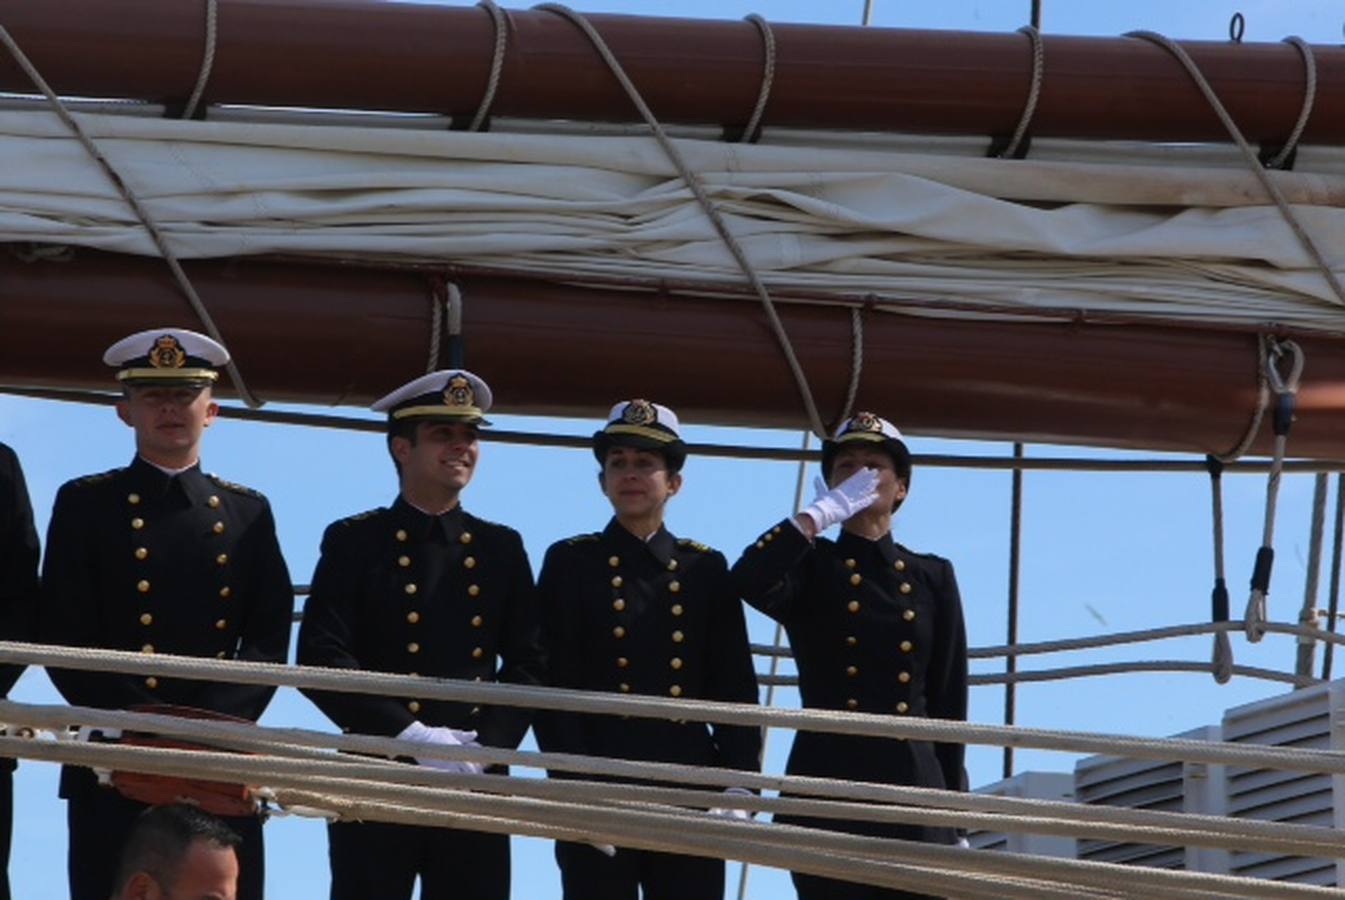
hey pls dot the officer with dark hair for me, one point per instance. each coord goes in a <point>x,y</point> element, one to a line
<point>424,588</point>
<point>18,590</point>
<point>875,628</point>
<point>159,557</point>
<point>178,851</point>
<point>633,609</point>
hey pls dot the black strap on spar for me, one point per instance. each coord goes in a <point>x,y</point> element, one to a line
<point>1286,393</point>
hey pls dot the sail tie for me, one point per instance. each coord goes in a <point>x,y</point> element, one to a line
<point>1010,150</point>
<point>150,225</point>
<point>496,64</point>
<point>752,133</point>
<point>207,58</point>
<point>707,205</point>
<point>1272,190</point>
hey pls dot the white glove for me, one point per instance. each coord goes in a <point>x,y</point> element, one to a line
<point>447,737</point>
<point>741,815</point>
<point>831,507</point>
<point>963,843</point>
<point>606,850</point>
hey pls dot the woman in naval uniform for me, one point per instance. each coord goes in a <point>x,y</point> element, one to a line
<point>634,610</point>
<point>875,628</point>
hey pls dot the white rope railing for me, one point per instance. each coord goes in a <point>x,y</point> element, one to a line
<point>902,804</point>
<point>603,703</point>
<point>629,826</point>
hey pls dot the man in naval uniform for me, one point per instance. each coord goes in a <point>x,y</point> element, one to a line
<point>634,610</point>
<point>162,558</point>
<point>18,590</point>
<point>423,587</point>
<point>874,627</point>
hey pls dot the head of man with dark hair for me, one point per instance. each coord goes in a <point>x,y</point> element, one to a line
<point>178,852</point>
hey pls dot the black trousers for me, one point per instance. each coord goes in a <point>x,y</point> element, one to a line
<point>101,819</point>
<point>588,874</point>
<point>380,861</point>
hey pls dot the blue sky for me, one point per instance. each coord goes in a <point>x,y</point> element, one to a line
<point>1102,553</point>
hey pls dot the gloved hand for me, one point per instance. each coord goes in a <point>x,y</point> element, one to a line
<point>831,507</point>
<point>448,737</point>
<point>963,843</point>
<point>739,814</point>
<point>606,850</point>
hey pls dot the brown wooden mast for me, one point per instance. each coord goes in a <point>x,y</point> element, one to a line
<point>329,333</point>
<point>324,334</point>
<point>418,58</point>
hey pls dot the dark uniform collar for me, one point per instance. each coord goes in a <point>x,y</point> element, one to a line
<point>661,545</point>
<point>152,481</point>
<point>854,545</point>
<point>422,526</point>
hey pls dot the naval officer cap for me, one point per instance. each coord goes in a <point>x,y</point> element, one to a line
<point>167,356</point>
<point>644,426</point>
<point>866,428</point>
<point>454,395</point>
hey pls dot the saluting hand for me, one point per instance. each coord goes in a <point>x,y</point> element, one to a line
<point>831,507</point>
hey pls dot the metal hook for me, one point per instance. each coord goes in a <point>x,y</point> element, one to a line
<point>1236,26</point>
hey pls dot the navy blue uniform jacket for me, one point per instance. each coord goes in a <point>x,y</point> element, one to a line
<point>188,565</point>
<point>447,596</point>
<point>657,617</point>
<point>874,628</point>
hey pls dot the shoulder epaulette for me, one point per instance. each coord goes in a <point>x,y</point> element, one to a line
<point>101,476</point>
<point>694,545</point>
<point>584,538</point>
<point>358,517</point>
<point>235,487</point>
<point>909,552</point>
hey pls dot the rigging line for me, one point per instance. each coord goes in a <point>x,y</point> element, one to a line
<point>707,206</point>
<point>732,451</point>
<point>207,59</point>
<point>1307,617</point>
<point>1259,411</point>
<point>1286,391</point>
<point>1011,628</point>
<point>856,362</point>
<point>438,301</point>
<point>1309,100</point>
<point>1222,655</point>
<point>512,695</point>
<point>1034,89</point>
<point>496,64</point>
<point>1071,673</point>
<point>160,240</point>
<point>753,130</point>
<point>1268,183</point>
<point>684,801</point>
<point>1333,604</point>
<point>777,643</point>
<point>293,745</point>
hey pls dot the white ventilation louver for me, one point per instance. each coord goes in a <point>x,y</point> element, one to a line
<point>1030,786</point>
<point>1157,786</point>
<point>1302,719</point>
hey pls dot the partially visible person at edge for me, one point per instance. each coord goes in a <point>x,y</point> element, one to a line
<point>874,627</point>
<point>18,590</point>
<point>178,852</point>
<point>160,557</point>
<point>633,609</point>
<point>424,587</point>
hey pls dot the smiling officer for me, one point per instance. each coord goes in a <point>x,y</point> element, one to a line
<point>424,587</point>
